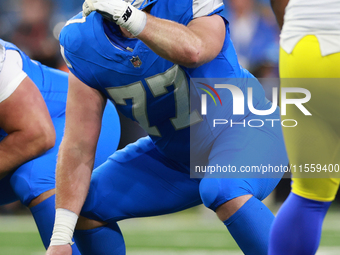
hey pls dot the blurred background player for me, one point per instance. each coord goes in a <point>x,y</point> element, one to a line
<point>177,41</point>
<point>32,118</point>
<point>310,48</point>
<point>255,36</point>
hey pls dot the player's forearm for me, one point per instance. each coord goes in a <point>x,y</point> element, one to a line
<point>173,41</point>
<point>279,7</point>
<point>20,147</point>
<point>73,177</point>
<point>76,155</point>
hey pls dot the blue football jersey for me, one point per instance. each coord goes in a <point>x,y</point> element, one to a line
<point>51,83</point>
<point>146,87</point>
<point>43,78</point>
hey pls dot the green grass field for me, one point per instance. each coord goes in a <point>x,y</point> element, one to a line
<point>193,232</point>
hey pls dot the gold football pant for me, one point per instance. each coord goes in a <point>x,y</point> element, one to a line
<point>314,144</point>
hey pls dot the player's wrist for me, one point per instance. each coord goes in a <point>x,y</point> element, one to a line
<point>65,222</point>
<point>132,19</point>
<point>121,12</point>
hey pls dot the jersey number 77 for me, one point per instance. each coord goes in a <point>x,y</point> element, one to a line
<point>157,84</point>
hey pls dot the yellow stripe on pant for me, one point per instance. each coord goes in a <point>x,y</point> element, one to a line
<point>316,138</point>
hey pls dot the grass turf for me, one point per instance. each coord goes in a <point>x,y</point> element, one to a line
<point>196,231</point>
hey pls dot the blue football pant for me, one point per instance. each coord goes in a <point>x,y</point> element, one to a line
<point>139,181</point>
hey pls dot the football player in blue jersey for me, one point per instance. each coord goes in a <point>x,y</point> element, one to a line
<point>142,55</point>
<point>32,118</point>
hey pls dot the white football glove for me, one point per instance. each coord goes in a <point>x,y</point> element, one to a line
<point>119,11</point>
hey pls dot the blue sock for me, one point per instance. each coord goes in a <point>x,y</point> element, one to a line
<point>250,227</point>
<point>44,214</point>
<point>105,240</point>
<point>297,227</point>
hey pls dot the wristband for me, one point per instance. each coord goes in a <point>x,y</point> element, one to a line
<point>65,222</point>
<point>133,20</point>
<point>121,12</point>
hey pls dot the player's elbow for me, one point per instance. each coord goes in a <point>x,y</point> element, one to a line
<point>194,60</point>
<point>47,138</point>
<point>193,57</point>
<point>41,139</point>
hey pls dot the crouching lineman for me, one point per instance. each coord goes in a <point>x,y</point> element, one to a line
<point>142,55</point>
<point>32,118</point>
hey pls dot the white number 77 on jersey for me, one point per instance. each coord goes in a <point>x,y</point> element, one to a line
<point>157,85</point>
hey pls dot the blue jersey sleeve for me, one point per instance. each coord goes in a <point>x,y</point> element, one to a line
<point>75,48</point>
<point>75,66</point>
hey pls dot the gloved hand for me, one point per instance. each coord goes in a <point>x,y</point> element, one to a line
<point>118,11</point>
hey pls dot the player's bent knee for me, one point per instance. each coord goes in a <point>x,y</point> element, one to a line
<point>215,192</point>
<point>226,210</point>
<point>22,188</point>
<point>209,191</point>
<point>42,197</point>
<point>31,180</point>
<point>86,224</point>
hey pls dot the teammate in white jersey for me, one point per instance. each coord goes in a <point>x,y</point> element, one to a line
<point>310,48</point>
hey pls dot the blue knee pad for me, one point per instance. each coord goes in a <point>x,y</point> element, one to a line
<point>216,191</point>
<point>32,179</point>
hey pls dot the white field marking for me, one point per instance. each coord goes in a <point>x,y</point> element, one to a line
<point>321,251</point>
<point>335,250</point>
<point>187,252</point>
<point>22,224</point>
<point>332,222</point>
<point>21,250</point>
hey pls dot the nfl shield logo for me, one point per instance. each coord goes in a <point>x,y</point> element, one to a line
<point>136,61</point>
